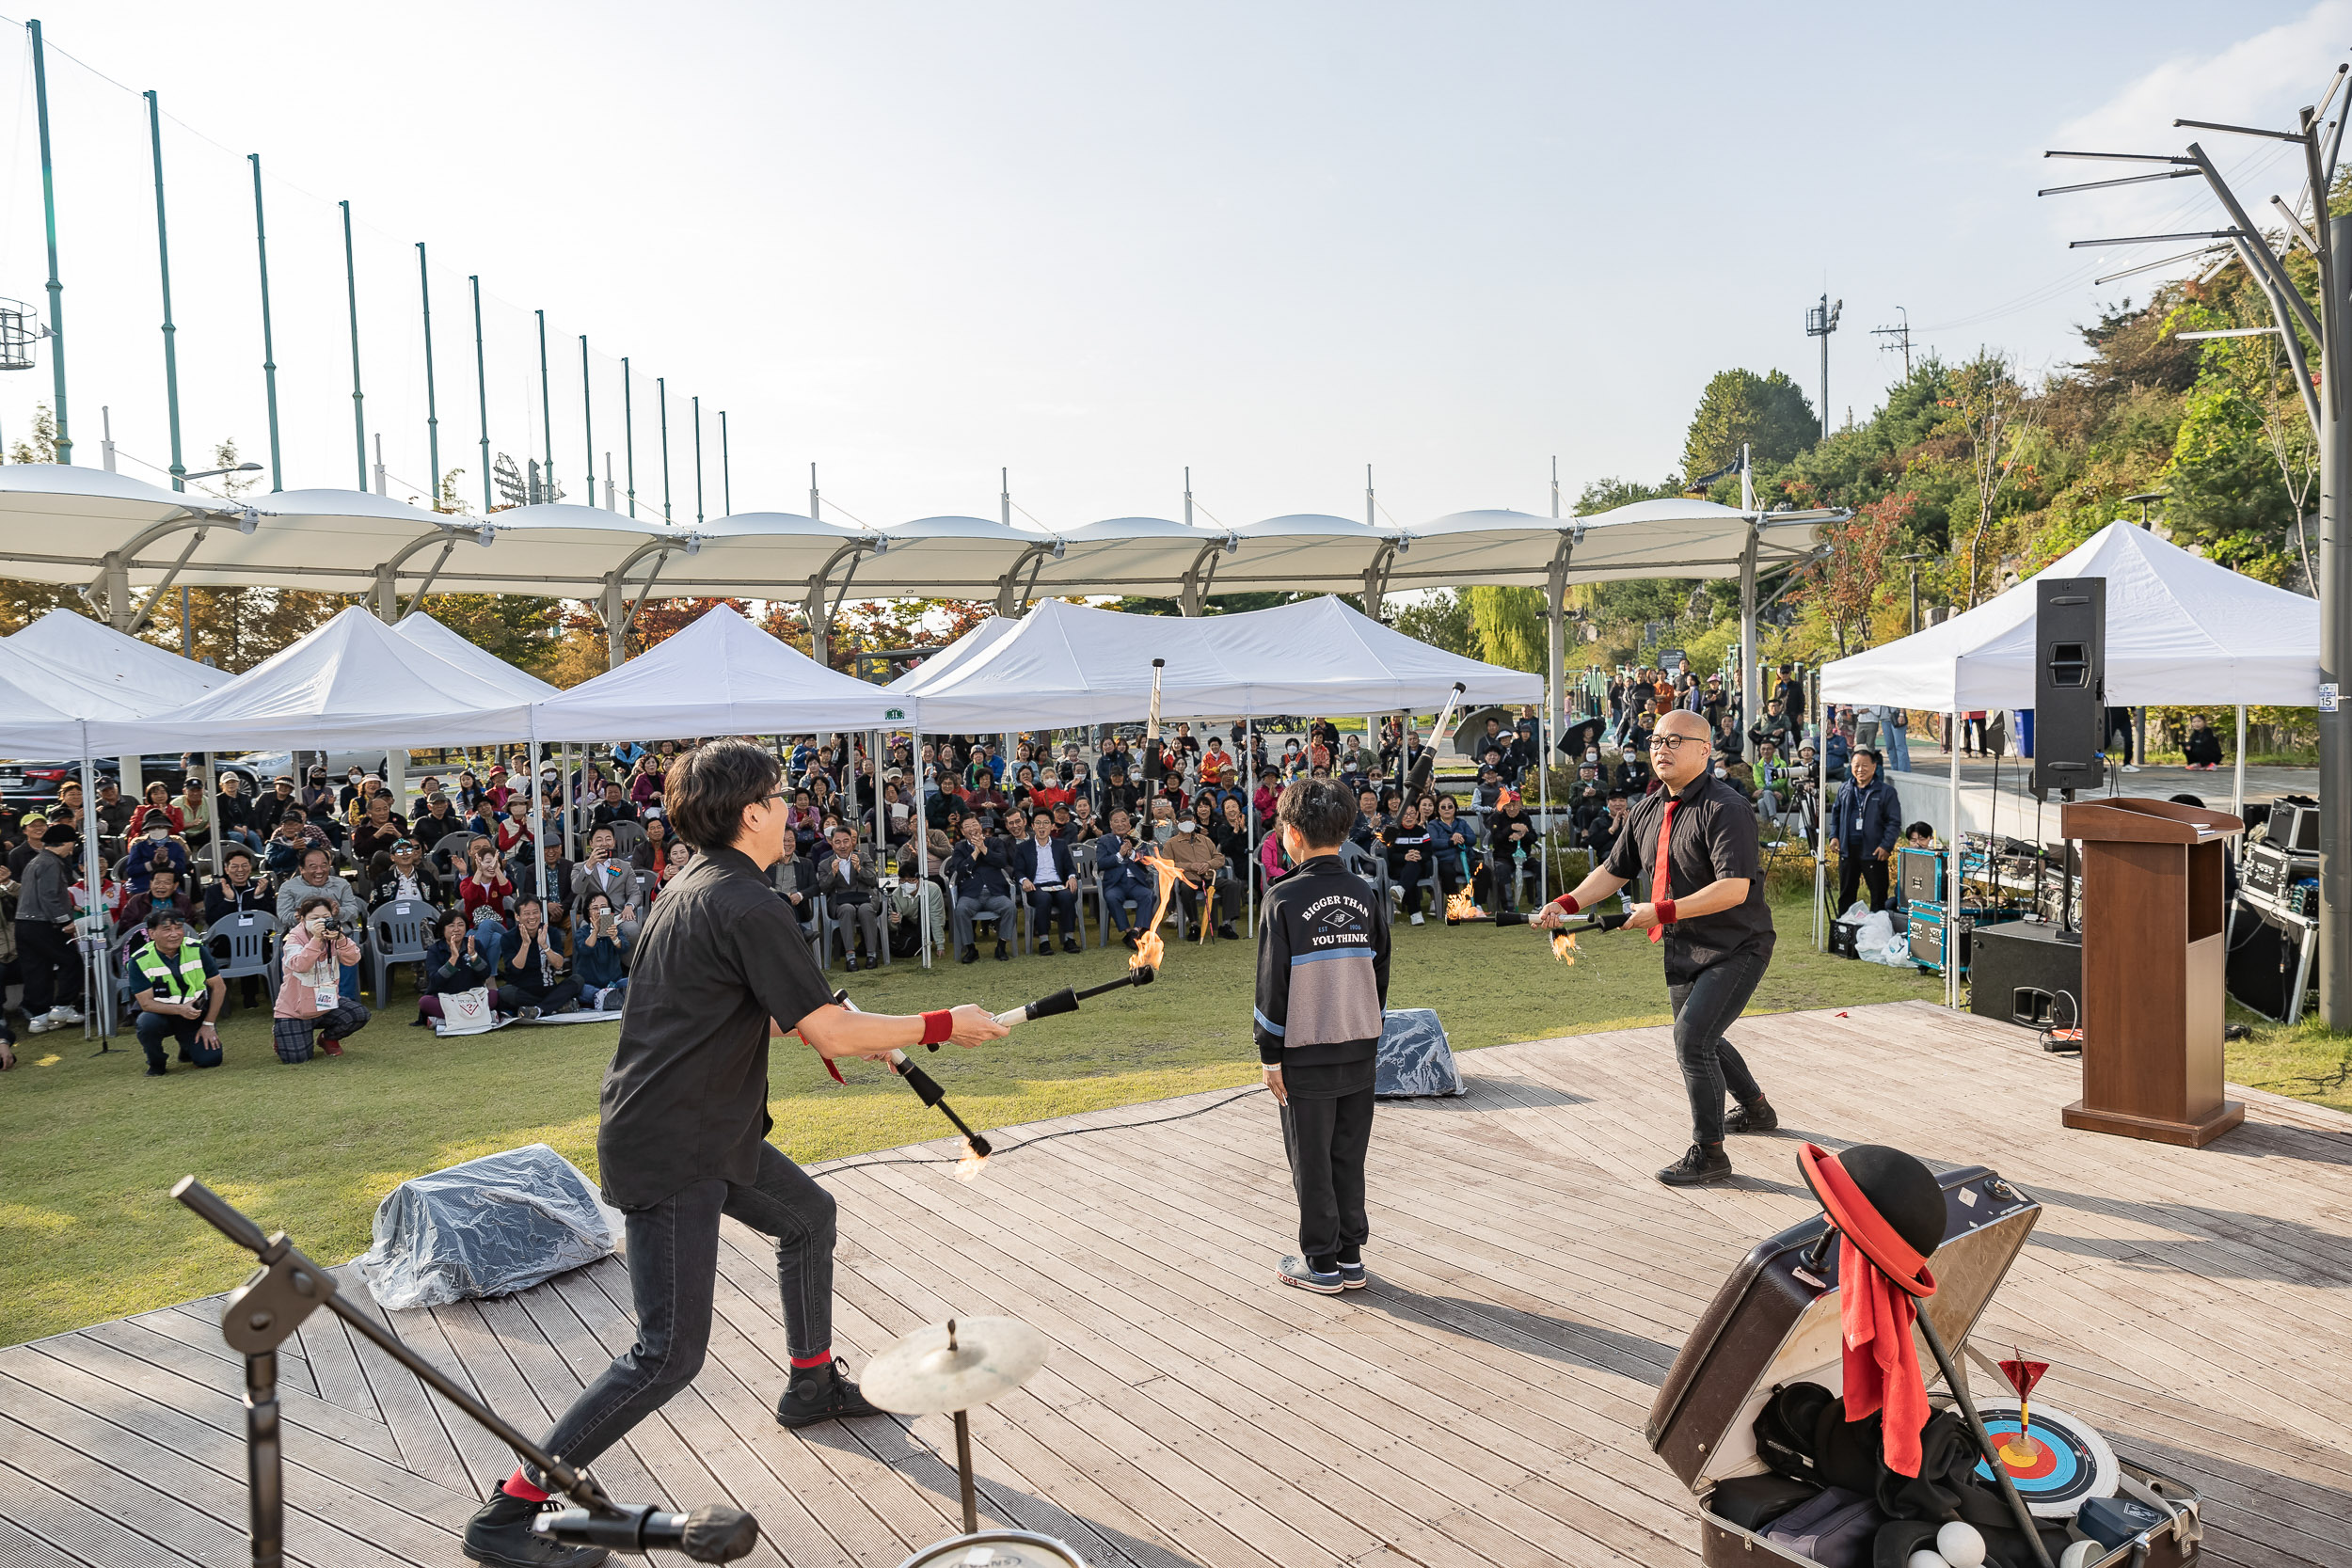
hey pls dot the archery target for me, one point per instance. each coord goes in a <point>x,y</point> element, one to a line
<point>2069,1462</point>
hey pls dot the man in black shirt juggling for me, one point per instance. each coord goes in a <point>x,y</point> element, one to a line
<point>720,968</point>
<point>1695,835</point>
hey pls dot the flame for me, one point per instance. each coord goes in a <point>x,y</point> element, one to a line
<point>1463,907</point>
<point>974,1161</point>
<point>1149,949</point>
<point>1564,947</point>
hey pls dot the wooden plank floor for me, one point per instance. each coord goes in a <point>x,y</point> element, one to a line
<point>1480,1405</point>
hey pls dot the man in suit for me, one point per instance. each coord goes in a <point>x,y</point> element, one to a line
<point>977,871</point>
<point>1048,874</point>
<point>846,876</point>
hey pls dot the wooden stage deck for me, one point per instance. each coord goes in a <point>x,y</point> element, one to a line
<point>1481,1404</point>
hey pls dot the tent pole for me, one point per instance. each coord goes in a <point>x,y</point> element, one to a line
<point>98,992</point>
<point>211,807</point>
<point>922,825</point>
<point>1951,883</point>
<point>539,808</point>
<point>1821,836</point>
<point>1249,804</point>
<point>2237,786</point>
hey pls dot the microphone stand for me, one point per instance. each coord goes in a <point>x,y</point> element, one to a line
<point>288,1288</point>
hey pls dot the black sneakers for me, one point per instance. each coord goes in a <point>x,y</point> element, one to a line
<point>1002,951</point>
<point>820,1394</point>
<point>1070,944</point>
<point>970,955</point>
<point>500,1533</point>
<point>1758,1118</point>
<point>1698,1166</point>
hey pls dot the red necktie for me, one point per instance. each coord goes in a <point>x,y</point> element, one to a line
<point>1658,893</point>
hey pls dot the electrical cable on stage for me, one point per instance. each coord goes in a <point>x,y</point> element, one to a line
<point>1049,1137</point>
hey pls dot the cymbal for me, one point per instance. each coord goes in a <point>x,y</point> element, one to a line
<point>921,1375</point>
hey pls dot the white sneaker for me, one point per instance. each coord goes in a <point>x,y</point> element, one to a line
<point>39,1026</point>
<point>1416,917</point>
<point>2131,767</point>
<point>61,1015</point>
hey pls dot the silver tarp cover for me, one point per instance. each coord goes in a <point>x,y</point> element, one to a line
<point>487,1228</point>
<point>1415,1058</point>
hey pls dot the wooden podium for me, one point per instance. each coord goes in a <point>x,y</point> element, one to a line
<point>2152,984</point>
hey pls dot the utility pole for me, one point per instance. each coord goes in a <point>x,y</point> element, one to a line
<point>1901,336</point>
<point>2329,241</point>
<point>359,400</point>
<point>1820,321</point>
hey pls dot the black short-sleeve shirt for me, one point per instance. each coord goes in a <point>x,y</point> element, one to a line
<point>1714,838</point>
<point>686,1098</point>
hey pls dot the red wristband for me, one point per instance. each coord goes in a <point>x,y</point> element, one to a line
<point>1665,912</point>
<point>1568,901</point>
<point>938,1027</point>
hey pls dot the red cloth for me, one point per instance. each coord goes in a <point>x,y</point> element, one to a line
<point>1877,1310</point>
<point>1658,879</point>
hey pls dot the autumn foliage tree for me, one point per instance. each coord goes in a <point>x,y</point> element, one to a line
<point>1843,583</point>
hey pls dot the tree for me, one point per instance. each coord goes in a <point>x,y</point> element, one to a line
<point>1442,621</point>
<point>1768,413</point>
<point>1990,407</point>
<point>522,629</point>
<point>1607,495</point>
<point>1508,624</point>
<point>1843,583</point>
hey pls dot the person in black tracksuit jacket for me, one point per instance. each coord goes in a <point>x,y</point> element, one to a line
<point>1323,983</point>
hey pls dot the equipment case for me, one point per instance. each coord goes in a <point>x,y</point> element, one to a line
<point>1775,1322</point>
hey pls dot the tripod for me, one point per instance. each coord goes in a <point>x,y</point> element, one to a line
<point>287,1289</point>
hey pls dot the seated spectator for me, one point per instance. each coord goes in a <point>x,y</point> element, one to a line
<point>532,977</point>
<point>320,993</point>
<point>114,812</point>
<point>156,848</point>
<point>1126,872</point>
<point>379,827</point>
<point>679,856</point>
<point>602,950</point>
<point>1117,793</point>
<point>326,829</point>
<point>177,993</point>
<point>158,806</point>
<point>237,890</point>
<point>978,870</point>
<point>1202,865</point>
<point>853,891</point>
<point>1840,754</point>
<point>1365,836</point>
<point>604,872</point>
<point>1232,832</point>
<point>613,807</point>
<point>795,882</point>
<point>512,834</point>
<point>1406,844</point>
<point>655,851</point>
<point>484,896</point>
<point>351,800</point>
<point>1048,874</point>
<point>551,880</point>
<point>1453,848</point>
<point>1512,849</point>
<point>162,895</point>
<point>315,881</point>
<point>435,823</point>
<point>644,784</point>
<point>234,813</point>
<point>195,815</point>
<point>281,857</point>
<point>402,874</point>
<point>317,793</point>
<point>454,963</point>
<point>891,822</point>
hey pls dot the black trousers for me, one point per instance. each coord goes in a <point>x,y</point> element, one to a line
<point>154,1028</point>
<point>673,1273</point>
<point>1704,1007</point>
<point>49,966</point>
<point>513,999</point>
<point>1855,866</point>
<point>1327,1140</point>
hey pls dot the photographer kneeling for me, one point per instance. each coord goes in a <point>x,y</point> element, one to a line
<point>317,952</point>
<point>178,996</point>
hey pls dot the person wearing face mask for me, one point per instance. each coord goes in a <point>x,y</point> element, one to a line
<point>1695,836</point>
<point>317,952</point>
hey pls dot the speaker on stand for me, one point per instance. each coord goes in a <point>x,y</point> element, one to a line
<point>2070,690</point>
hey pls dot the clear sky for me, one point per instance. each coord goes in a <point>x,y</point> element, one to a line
<point>1092,244</point>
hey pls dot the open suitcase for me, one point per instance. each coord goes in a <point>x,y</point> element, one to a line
<point>1775,1322</point>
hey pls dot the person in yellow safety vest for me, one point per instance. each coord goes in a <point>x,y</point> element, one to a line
<point>179,995</point>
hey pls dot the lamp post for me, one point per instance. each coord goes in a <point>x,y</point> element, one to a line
<point>1820,321</point>
<point>2328,238</point>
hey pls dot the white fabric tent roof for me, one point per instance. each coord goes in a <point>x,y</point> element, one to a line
<point>721,675</point>
<point>977,640</point>
<point>351,682</point>
<point>32,724</point>
<point>435,638</point>
<point>111,675</point>
<point>1066,664</point>
<point>2180,630</point>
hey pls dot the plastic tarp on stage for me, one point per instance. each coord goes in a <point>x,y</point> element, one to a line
<point>1066,664</point>
<point>721,675</point>
<point>353,682</point>
<point>2180,629</point>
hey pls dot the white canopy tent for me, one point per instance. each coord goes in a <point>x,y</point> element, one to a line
<point>32,721</point>
<point>434,638</point>
<point>353,682</point>
<point>1065,665</point>
<point>137,676</point>
<point>2180,630</point>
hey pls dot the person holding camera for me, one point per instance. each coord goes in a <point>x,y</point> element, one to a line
<point>320,960</point>
<point>317,879</point>
<point>601,952</point>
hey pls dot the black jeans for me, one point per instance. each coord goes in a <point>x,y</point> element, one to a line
<point>1856,865</point>
<point>154,1028</point>
<point>1704,1008</point>
<point>49,964</point>
<point>513,999</point>
<point>1326,1140</point>
<point>673,1271</point>
<point>1057,905</point>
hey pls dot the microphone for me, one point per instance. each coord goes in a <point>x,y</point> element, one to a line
<point>709,1534</point>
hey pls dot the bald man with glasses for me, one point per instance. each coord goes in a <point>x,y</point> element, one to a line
<point>1696,835</point>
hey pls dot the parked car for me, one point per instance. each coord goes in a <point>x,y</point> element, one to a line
<point>32,785</point>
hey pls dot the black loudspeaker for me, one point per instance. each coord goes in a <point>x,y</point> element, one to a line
<point>2023,973</point>
<point>2294,822</point>
<point>2069,683</point>
<point>2264,961</point>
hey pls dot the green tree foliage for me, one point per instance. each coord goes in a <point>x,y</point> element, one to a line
<point>1507,624</point>
<point>1442,621</point>
<point>1768,413</point>
<point>2227,492</point>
